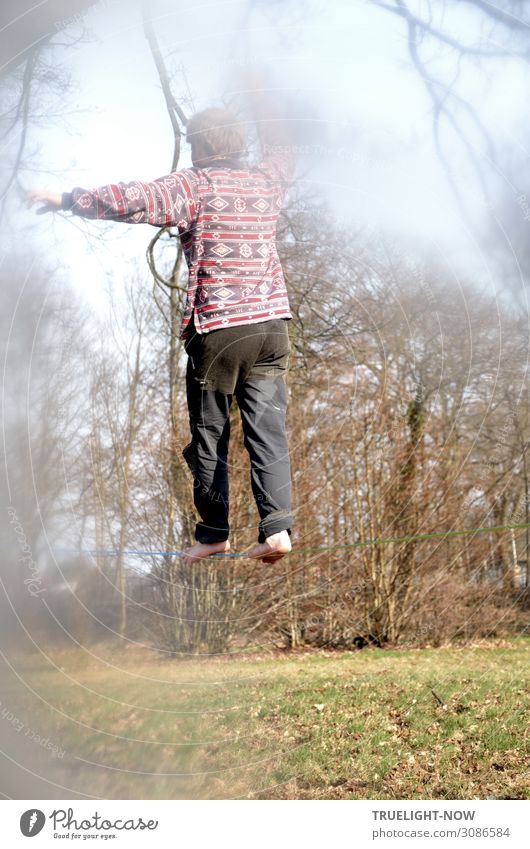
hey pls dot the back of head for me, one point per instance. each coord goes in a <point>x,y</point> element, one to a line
<point>215,133</point>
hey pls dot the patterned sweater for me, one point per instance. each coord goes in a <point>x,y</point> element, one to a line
<point>226,218</point>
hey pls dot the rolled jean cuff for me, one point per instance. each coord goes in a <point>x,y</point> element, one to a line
<point>208,535</point>
<point>282,520</point>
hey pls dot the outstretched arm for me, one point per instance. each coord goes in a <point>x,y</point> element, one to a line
<point>275,134</point>
<point>269,109</point>
<point>164,202</point>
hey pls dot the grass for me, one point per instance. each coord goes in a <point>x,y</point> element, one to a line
<point>449,723</point>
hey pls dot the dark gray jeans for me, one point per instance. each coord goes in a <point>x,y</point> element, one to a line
<point>248,362</point>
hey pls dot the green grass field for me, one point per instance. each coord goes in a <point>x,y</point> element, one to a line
<point>377,724</point>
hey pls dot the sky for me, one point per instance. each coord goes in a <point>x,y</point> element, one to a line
<point>373,159</point>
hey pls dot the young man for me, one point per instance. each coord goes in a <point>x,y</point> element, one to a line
<point>234,324</point>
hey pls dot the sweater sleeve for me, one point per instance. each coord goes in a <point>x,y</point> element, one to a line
<point>167,201</point>
<point>278,163</point>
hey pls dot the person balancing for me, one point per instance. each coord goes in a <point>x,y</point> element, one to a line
<point>234,324</point>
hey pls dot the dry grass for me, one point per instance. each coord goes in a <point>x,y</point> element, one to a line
<point>449,723</point>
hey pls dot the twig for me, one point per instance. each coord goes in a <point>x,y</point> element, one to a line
<point>437,697</point>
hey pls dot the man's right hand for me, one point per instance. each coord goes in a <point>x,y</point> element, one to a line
<point>52,201</point>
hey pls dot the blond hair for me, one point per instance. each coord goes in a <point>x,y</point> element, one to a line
<point>219,132</point>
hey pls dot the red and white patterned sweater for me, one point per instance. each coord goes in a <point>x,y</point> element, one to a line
<point>226,217</point>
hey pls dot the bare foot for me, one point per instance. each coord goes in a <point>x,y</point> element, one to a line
<point>274,547</point>
<point>200,550</point>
